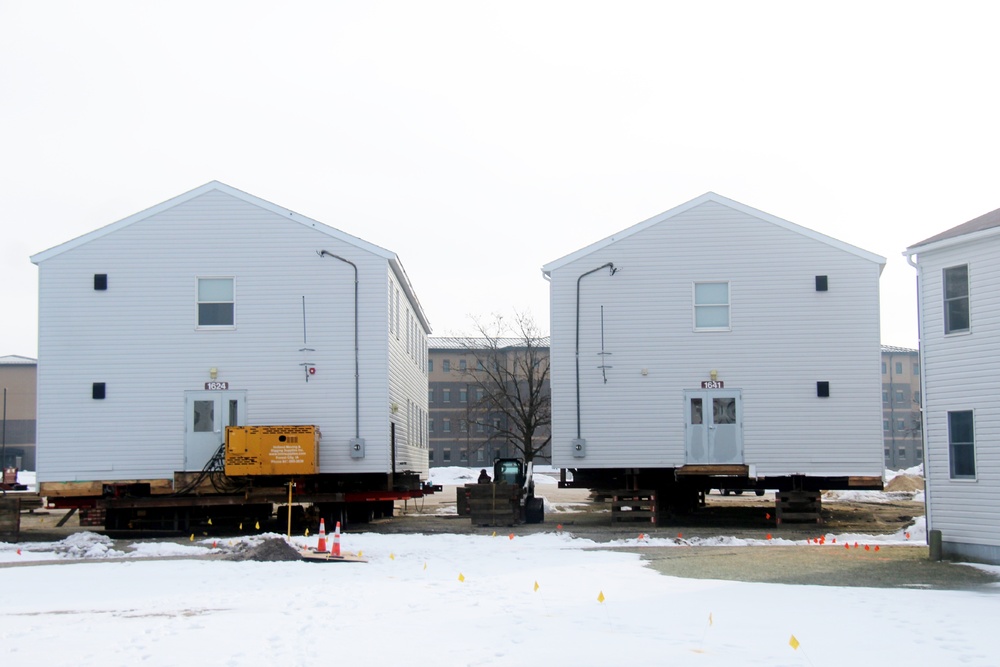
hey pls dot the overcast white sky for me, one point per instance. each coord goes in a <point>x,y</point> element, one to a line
<point>480,141</point>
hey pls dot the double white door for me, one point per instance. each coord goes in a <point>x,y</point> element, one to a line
<point>714,426</point>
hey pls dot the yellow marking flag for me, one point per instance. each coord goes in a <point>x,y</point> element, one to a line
<point>600,596</point>
<point>461,577</point>
<point>536,586</point>
<point>794,643</point>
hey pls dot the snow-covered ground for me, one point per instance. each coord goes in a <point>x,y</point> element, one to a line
<point>549,599</point>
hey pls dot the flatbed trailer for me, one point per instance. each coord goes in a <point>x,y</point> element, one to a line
<point>260,474</point>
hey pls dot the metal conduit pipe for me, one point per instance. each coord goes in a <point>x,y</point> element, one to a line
<point>357,392</point>
<point>609,265</point>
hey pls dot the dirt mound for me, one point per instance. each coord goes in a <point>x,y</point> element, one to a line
<point>905,483</point>
<point>269,551</point>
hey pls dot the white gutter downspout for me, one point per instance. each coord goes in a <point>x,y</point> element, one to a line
<point>923,388</point>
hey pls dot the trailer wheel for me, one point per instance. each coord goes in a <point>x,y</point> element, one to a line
<point>534,510</point>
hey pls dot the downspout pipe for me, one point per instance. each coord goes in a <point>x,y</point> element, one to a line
<point>611,266</point>
<point>357,382</point>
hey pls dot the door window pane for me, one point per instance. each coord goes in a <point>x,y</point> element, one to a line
<point>724,410</point>
<point>696,411</point>
<point>204,416</point>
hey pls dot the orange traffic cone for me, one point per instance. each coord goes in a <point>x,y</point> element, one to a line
<point>321,547</point>
<point>335,551</point>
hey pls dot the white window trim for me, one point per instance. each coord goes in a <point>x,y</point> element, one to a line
<point>694,305</point>
<point>197,302</point>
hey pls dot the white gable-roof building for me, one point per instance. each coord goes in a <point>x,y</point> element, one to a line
<point>218,308</point>
<point>958,287</point>
<point>716,339</point>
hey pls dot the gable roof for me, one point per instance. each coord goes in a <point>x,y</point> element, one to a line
<point>724,201</point>
<point>216,186</point>
<point>986,223</point>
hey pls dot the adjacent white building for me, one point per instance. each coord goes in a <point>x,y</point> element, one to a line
<point>958,278</point>
<point>720,340</point>
<point>218,308</point>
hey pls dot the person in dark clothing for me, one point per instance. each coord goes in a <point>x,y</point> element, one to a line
<point>483,477</point>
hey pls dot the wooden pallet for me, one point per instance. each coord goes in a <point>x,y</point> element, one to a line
<point>633,506</point>
<point>494,504</point>
<point>802,506</point>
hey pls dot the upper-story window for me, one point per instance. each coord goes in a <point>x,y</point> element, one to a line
<point>461,364</point>
<point>711,306</point>
<point>899,368</point>
<point>430,365</point>
<point>956,299</point>
<point>446,365</point>
<point>216,302</point>
<point>446,395</point>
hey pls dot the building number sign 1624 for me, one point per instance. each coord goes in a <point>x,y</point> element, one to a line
<point>216,386</point>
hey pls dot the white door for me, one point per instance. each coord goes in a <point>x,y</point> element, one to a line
<point>207,414</point>
<point>713,426</point>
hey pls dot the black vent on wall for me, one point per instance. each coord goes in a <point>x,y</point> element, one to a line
<point>97,391</point>
<point>821,285</point>
<point>100,281</point>
<point>823,389</point>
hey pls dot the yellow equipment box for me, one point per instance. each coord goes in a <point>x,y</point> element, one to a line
<point>271,450</point>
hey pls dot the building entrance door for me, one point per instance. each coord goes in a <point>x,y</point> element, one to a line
<point>713,426</point>
<point>207,414</point>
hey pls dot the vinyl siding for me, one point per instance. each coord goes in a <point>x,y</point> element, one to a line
<point>785,337</point>
<point>140,338</point>
<point>408,385</point>
<point>960,373</point>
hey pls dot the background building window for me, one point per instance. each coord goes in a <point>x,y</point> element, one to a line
<point>711,306</point>
<point>446,395</point>
<point>956,299</point>
<point>961,445</point>
<point>461,364</point>
<point>447,427</point>
<point>446,365</point>
<point>463,395</point>
<point>430,365</point>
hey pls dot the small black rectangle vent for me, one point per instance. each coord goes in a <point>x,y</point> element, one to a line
<point>97,391</point>
<point>100,282</point>
<point>823,389</point>
<point>821,284</point>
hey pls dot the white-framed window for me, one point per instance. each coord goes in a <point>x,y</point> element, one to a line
<point>956,299</point>
<point>962,444</point>
<point>445,395</point>
<point>216,303</point>
<point>446,425</point>
<point>711,306</point>
<point>463,395</point>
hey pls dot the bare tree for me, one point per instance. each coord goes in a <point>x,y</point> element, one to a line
<point>511,374</point>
